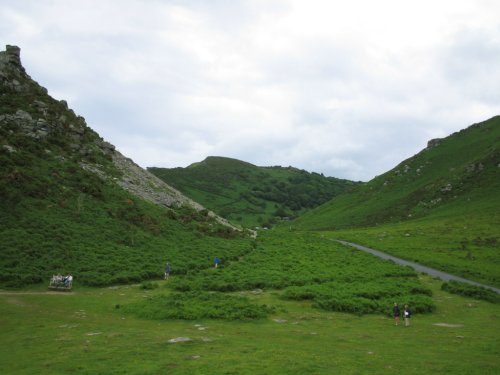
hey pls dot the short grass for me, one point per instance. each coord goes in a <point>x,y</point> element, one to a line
<point>465,245</point>
<point>85,333</point>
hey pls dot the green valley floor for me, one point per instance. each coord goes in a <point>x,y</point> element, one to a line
<point>87,332</point>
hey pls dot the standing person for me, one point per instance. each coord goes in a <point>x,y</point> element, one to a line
<point>396,313</point>
<point>167,271</point>
<point>407,315</point>
<point>216,262</point>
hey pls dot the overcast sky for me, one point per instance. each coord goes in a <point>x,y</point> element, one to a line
<point>344,88</point>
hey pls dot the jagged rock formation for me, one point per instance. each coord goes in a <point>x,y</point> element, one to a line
<point>28,109</point>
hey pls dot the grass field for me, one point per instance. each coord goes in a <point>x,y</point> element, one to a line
<point>464,245</point>
<point>85,333</point>
<point>274,310</point>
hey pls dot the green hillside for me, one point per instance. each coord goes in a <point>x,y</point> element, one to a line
<point>440,208</point>
<point>250,195</point>
<point>63,212</point>
<point>457,175</point>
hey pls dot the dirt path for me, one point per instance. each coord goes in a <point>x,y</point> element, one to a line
<point>10,293</point>
<point>417,267</point>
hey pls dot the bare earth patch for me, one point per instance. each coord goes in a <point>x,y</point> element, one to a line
<point>448,325</point>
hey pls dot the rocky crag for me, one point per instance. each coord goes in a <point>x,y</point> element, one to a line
<point>27,109</point>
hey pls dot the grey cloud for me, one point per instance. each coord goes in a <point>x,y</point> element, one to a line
<point>471,64</point>
<point>171,82</point>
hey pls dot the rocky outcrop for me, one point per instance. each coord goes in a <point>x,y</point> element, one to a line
<point>42,117</point>
<point>147,186</point>
<point>142,183</point>
<point>434,143</point>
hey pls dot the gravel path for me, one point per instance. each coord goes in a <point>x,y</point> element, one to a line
<point>417,267</point>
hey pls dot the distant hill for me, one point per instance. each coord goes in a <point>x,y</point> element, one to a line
<point>71,203</point>
<point>454,176</point>
<point>251,195</point>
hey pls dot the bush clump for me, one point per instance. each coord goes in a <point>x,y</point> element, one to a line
<point>367,297</point>
<point>198,305</point>
<point>469,290</point>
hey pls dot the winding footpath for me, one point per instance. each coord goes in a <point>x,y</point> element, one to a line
<point>417,267</point>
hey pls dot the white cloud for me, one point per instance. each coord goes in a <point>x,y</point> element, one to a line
<point>348,89</point>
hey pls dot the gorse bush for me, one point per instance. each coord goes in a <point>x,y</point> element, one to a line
<point>469,290</point>
<point>102,242</point>
<point>368,296</point>
<point>309,267</point>
<point>198,305</point>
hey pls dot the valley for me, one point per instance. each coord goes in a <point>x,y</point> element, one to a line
<point>284,299</point>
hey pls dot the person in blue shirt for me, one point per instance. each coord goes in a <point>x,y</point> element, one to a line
<point>216,262</point>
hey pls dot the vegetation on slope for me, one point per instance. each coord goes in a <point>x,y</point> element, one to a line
<point>62,211</point>
<point>251,195</point>
<point>438,208</point>
<point>456,175</point>
<point>464,245</point>
<point>309,267</point>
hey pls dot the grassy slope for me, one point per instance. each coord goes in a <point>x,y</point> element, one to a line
<point>252,195</point>
<point>55,216</point>
<point>416,187</point>
<point>117,240</point>
<point>456,231</point>
<point>61,218</point>
<point>465,245</point>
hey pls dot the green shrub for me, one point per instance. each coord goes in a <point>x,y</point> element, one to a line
<point>469,290</point>
<point>198,305</point>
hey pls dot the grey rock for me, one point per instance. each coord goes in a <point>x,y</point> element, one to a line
<point>446,188</point>
<point>23,115</point>
<point>9,148</point>
<point>179,339</point>
<point>107,147</point>
<point>434,143</point>
<point>13,55</point>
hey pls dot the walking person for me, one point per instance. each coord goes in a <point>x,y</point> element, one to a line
<point>407,315</point>
<point>396,313</point>
<point>167,271</point>
<point>216,262</point>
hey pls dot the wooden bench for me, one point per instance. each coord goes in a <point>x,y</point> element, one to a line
<point>58,282</point>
